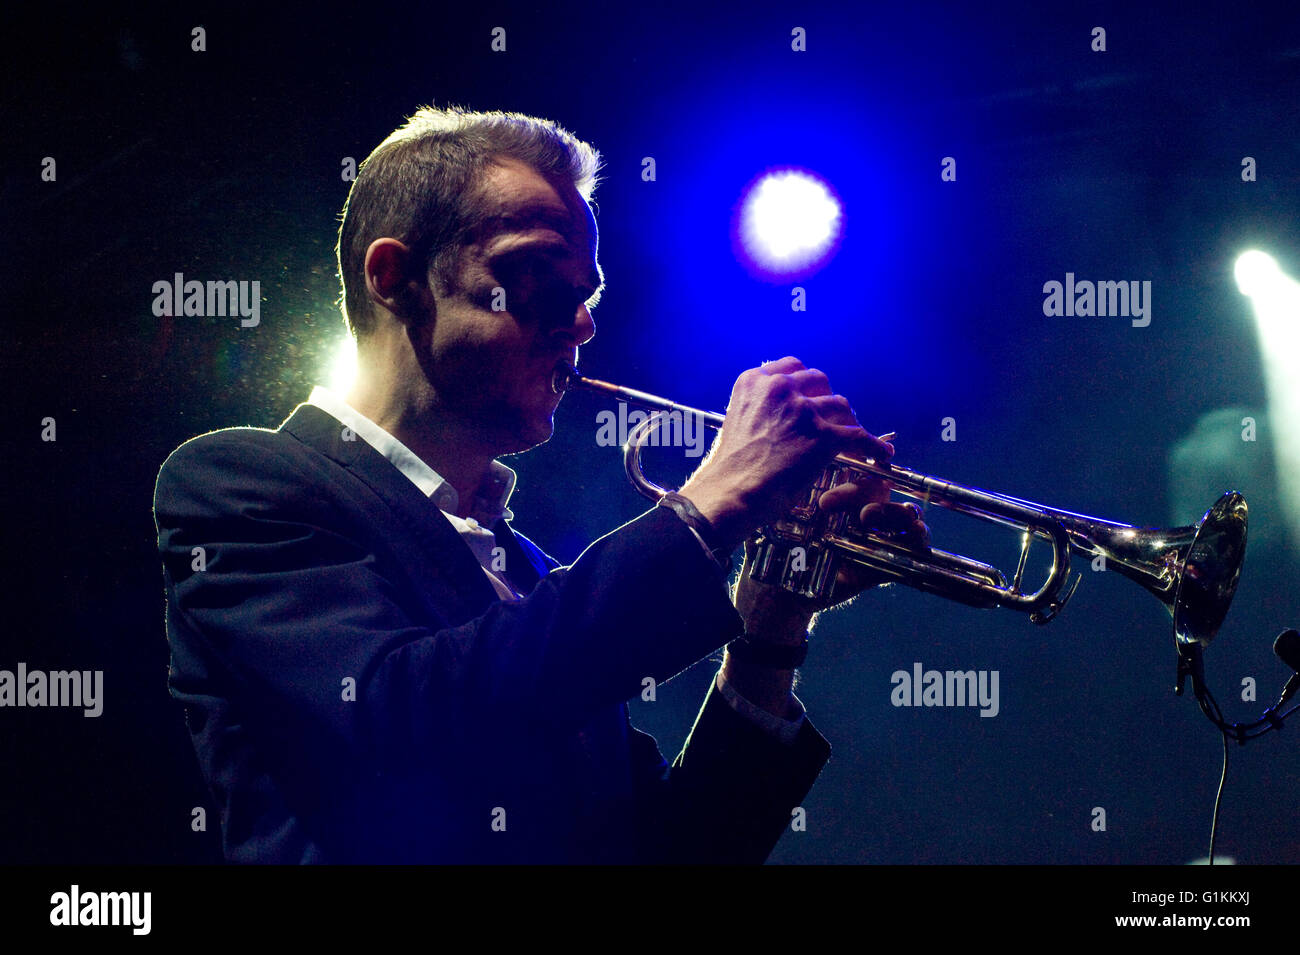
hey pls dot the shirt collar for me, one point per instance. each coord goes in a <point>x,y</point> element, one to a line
<point>490,504</point>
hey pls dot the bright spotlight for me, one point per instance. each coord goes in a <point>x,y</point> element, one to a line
<point>343,366</point>
<point>1275,300</point>
<point>1257,273</point>
<point>789,223</point>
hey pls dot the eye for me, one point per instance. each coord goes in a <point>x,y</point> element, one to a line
<point>536,290</point>
<point>518,266</point>
<point>522,274</point>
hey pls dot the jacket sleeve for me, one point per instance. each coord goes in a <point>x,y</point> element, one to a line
<point>284,592</point>
<point>731,792</point>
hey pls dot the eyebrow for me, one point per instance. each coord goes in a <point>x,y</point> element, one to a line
<point>535,214</point>
<point>532,215</point>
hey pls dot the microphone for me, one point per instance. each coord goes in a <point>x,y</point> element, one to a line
<point>1287,648</point>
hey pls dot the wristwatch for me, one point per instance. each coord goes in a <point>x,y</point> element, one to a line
<point>699,524</point>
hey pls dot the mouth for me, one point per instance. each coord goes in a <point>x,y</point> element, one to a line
<point>561,376</point>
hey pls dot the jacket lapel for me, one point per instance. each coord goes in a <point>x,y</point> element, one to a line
<point>431,549</point>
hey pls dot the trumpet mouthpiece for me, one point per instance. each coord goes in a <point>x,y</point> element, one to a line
<point>562,377</point>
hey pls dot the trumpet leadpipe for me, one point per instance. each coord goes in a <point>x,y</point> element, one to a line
<point>711,418</point>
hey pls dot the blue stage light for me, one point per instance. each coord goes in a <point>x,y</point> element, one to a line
<point>789,224</point>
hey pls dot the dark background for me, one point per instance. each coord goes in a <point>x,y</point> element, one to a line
<point>226,164</point>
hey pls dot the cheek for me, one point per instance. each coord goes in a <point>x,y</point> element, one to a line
<point>461,334</point>
<point>478,353</point>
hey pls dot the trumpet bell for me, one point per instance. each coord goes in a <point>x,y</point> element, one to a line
<point>1192,570</point>
<point>1210,572</point>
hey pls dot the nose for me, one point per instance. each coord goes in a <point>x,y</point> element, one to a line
<point>584,326</point>
<point>580,329</point>
<point>568,317</point>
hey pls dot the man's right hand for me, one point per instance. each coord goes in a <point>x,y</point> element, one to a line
<point>783,425</point>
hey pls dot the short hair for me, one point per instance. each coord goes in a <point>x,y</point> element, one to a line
<point>421,187</point>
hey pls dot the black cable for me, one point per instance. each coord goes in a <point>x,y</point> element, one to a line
<point>1218,799</point>
<point>1238,731</point>
<point>1191,667</point>
<point>1272,720</point>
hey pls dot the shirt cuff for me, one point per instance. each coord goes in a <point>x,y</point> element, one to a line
<point>787,731</point>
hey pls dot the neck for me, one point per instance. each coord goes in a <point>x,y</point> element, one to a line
<point>409,411</point>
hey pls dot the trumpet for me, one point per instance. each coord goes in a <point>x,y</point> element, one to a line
<point>1192,570</point>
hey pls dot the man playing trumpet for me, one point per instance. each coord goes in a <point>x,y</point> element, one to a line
<point>376,667</point>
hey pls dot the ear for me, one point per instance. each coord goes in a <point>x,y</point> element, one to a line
<point>391,280</point>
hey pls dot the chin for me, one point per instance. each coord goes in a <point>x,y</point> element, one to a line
<point>530,435</point>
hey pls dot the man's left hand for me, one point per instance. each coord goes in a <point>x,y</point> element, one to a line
<point>768,607</point>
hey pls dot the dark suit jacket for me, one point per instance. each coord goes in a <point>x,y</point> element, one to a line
<point>357,693</point>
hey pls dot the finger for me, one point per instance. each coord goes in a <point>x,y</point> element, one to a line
<point>878,450</point>
<point>835,408</point>
<point>812,382</point>
<point>845,436</point>
<point>837,419</point>
<point>892,517</point>
<point>782,366</point>
<point>854,495</point>
<point>914,533</point>
<point>868,446</point>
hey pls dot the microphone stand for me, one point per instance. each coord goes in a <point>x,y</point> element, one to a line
<point>1191,666</point>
